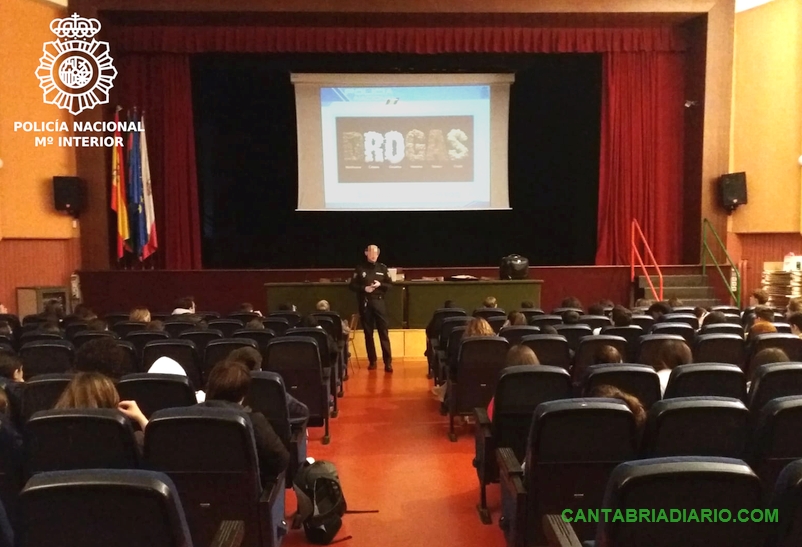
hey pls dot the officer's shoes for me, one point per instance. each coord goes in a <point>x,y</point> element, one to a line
<point>388,369</point>
<point>372,366</point>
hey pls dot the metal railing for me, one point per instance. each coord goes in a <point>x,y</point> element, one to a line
<point>635,253</point>
<point>736,295</point>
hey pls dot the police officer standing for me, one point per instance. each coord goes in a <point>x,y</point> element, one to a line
<point>371,281</point>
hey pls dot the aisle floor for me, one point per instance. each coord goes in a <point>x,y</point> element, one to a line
<point>391,448</point>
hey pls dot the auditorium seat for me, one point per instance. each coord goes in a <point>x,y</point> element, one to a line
<point>707,379</point>
<point>595,321</point>
<point>85,336</point>
<point>723,328</point>
<point>775,440</point>
<point>210,455</point>
<point>175,327</point>
<point>638,380</point>
<point>696,426</point>
<point>589,347</point>
<point>572,447</point>
<point>209,315</point>
<point>297,360</point>
<point>268,396</point>
<point>74,328</point>
<point>42,392</point>
<point>733,319</point>
<point>279,325</point>
<point>141,337</point>
<point>446,328</point>
<point>520,389</point>
<point>473,381</point>
<point>541,320</point>
<point>497,322</point>
<point>54,356</point>
<point>131,361</point>
<point>643,321</point>
<point>529,313</point>
<point>116,317</point>
<point>6,533</point>
<point>649,347</point>
<point>227,326</point>
<point>36,336</point>
<point>201,337</point>
<point>123,328</point>
<point>551,349</point>
<point>632,334</point>
<point>154,392</point>
<point>687,318</point>
<point>782,327</point>
<point>720,348</point>
<point>677,328</point>
<point>562,309</point>
<point>138,508</point>
<point>12,320</point>
<point>573,334</point>
<point>787,501</point>
<point>160,316</point>
<point>321,338</point>
<point>772,381</point>
<point>183,352</point>
<point>218,350</point>
<point>7,349</point>
<point>451,353</point>
<point>514,333</point>
<point>87,438</point>
<point>262,337</point>
<point>683,309</point>
<point>244,316</point>
<point>789,343</point>
<point>727,309</point>
<point>487,313</point>
<point>293,317</point>
<point>666,485</point>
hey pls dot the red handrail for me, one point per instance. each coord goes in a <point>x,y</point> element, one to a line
<point>635,253</point>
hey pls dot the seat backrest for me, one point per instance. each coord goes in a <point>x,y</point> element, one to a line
<point>226,326</point>
<point>449,324</point>
<point>497,322</point>
<point>214,483</point>
<point>62,507</point>
<point>515,333</point>
<point>631,334</point>
<point>201,337</point>
<point>519,391</point>
<point>85,336</point>
<point>279,325</point>
<point>595,321</point>
<point>452,345</point>
<point>562,309</point>
<point>486,313</point>
<point>209,315</point>
<point>181,351</point>
<point>540,320</point>
<point>336,320</point>
<point>6,348</point>
<point>74,328</point>
<point>551,349</point>
<point>244,316</point>
<point>479,363</point>
<point>772,381</point>
<point>267,396</point>
<point>153,392</point>
<point>723,328</point>
<point>293,317</point>
<point>174,327</point>
<point>726,309</point>
<point>782,327</point>
<point>320,336</point>
<point>787,500</point>
<point>529,313</point>
<point>91,438</point>
<point>588,347</point>
<point>696,426</point>
<point>638,380</point>
<point>687,318</point>
<point>116,317</point>
<point>36,336</point>
<point>789,343</point>
<point>218,350</point>
<point>775,440</point>
<point>706,379</point>
<point>573,334</point>
<point>643,321</point>
<point>649,347</point>
<point>675,486</point>
<point>443,313</point>
<point>42,392</point>
<point>141,337</point>
<point>124,327</point>
<point>297,360</point>
<point>47,357</point>
<point>262,337</point>
<point>720,348</point>
<point>131,362</point>
<point>680,329</point>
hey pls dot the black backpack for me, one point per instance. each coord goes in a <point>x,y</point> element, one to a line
<point>321,504</point>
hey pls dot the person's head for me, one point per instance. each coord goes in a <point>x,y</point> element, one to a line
<point>765,357</point>
<point>101,355</point>
<point>516,318</point>
<point>571,302</point>
<point>246,307</point>
<point>323,305</point>
<point>5,328</point>
<point>596,309</point>
<point>83,312</point>
<point>714,318</point>
<point>795,320</point>
<point>547,329</point>
<point>155,325</point>
<point>607,354</point>
<point>699,312</point>
<point>478,327</point>
<point>527,305</point>
<point>50,327</point>
<point>764,313</point>
<point>489,302</point>
<point>198,321</point>
<point>570,317</point>
<point>520,355</point>
<point>54,308</point>
<point>673,353</point>
<point>758,297</point>
<point>228,381</point>
<point>621,316</point>
<point>643,302</point>
<point>761,327</point>
<point>674,302</point>
<point>449,304</point>
<point>186,303</point>
<point>97,325</point>
<point>634,404</point>
<point>372,253</point>
<point>11,367</point>
<point>248,356</point>
<point>255,323</point>
<point>310,321</point>
<point>794,306</point>
<point>140,315</point>
<point>658,310</point>
<point>89,390</point>
<point>287,306</point>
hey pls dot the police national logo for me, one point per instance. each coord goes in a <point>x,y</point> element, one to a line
<point>76,71</point>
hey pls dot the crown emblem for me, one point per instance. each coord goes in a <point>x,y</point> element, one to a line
<point>75,27</point>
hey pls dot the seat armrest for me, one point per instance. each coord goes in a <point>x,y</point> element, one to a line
<point>559,533</point>
<point>507,462</point>
<point>230,533</point>
<point>482,419</point>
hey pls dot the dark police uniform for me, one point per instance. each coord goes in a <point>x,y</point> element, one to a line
<point>372,308</point>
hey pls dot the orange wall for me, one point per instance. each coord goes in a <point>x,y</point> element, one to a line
<point>26,193</point>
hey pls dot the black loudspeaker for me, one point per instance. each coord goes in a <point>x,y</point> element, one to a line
<point>514,267</point>
<point>732,190</point>
<point>69,195</point>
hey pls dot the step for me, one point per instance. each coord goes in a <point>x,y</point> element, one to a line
<point>684,293</point>
<point>701,302</point>
<point>674,281</point>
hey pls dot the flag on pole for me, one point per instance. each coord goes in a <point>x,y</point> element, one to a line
<point>151,242</point>
<point>119,201</point>
<point>136,202</point>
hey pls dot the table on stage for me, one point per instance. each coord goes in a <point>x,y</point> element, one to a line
<point>409,303</point>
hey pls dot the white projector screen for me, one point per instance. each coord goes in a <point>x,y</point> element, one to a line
<point>404,142</point>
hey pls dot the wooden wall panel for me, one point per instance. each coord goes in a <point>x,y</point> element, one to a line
<point>35,262</point>
<point>759,248</point>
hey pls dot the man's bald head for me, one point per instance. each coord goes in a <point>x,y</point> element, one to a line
<point>372,253</point>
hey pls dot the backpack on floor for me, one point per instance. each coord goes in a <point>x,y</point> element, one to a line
<point>321,503</point>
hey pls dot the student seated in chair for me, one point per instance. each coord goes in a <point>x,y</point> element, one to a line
<point>140,315</point>
<point>672,353</point>
<point>226,387</point>
<point>607,354</point>
<point>516,355</point>
<point>795,320</point>
<point>515,318</point>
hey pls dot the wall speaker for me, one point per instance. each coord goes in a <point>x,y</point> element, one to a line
<point>69,195</point>
<point>732,190</point>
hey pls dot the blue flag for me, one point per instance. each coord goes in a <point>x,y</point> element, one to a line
<point>136,193</point>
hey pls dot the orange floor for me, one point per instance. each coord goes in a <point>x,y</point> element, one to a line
<point>390,446</point>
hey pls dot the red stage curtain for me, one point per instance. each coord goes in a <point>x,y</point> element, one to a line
<point>640,172</point>
<point>160,85</point>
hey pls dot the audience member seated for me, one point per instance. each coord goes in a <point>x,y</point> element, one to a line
<point>764,357</point>
<point>287,306</point>
<point>477,326</point>
<point>674,302</point>
<point>310,321</point>
<point>102,355</point>
<point>760,327</point>
<point>82,312</point>
<point>713,318</point>
<point>490,302</point>
<point>516,355</point>
<point>185,305</point>
<point>596,309</point>
<point>634,404</point>
<point>10,438</point>
<point>433,328</point>
<point>54,311</point>
<point>794,306</point>
<point>571,302</point>
<point>252,360</point>
<point>607,354</point>
<point>323,305</point>
<point>50,326</point>
<point>227,386</point>
<point>644,303</point>
<point>527,305</point>
<point>548,329</point>
<point>671,354</point>
<point>11,368</point>
<point>247,307</point>
<point>515,318</point>
<point>621,316</point>
<point>168,365</point>
<point>700,314</point>
<point>155,325</point>
<point>255,323</point>
<point>140,315</point>
<point>763,313</point>
<point>97,325</point>
<point>795,320</point>
<point>570,317</point>
<point>759,297</point>
<point>658,310</point>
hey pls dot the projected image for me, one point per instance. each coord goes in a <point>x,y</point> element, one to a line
<point>415,148</point>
